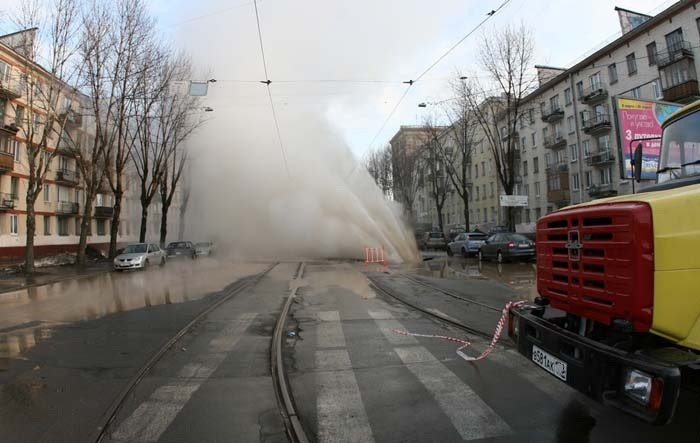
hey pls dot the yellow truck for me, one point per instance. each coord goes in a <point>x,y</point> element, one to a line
<point>618,311</point>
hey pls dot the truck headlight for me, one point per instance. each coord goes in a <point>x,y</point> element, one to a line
<point>638,386</point>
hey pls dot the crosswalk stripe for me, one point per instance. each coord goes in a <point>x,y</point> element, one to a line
<point>329,332</point>
<point>387,323</point>
<point>470,415</point>
<point>340,411</point>
<point>152,417</point>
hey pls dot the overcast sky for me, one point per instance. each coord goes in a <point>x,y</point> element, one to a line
<point>379,40</point>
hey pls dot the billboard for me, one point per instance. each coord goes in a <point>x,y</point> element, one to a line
<point>641,119</point>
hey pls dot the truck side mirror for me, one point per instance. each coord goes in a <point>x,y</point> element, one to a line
<point>637,163</point>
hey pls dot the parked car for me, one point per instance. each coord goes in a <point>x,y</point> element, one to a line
<point>204,248</point>
<point>505,246</point>
<point>181,249</point>
<point>434,240</point>
<point>139,256</point>
<point>467,244</point>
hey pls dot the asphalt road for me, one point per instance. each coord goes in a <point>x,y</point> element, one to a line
<point>67,350</point>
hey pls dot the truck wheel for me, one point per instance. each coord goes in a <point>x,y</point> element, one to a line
<point>499,257</point>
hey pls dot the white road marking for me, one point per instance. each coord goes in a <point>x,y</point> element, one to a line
<point>152,417</point>
<point>332,360</point>
<point>341,413</point>
<point>329,332</point>
<point>386,322</point>
<point>470,415</point>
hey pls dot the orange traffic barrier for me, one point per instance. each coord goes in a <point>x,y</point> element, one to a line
<point>375,255</point>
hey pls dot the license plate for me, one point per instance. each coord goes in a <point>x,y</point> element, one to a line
<point>178,253</point>
<point>549,362</point>
<point>523,245</point>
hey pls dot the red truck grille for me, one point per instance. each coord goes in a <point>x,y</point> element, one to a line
<point>598,262</point>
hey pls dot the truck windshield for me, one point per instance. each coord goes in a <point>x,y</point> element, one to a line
<point>680,150</point>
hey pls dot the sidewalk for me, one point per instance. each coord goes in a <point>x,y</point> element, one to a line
<point>11,281</point>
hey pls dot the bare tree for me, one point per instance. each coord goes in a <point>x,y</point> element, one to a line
<point>461,133</point>
<point>129,34</point>
<point>47,89</point>
<point>178,120</point>
<point>434,160</point>
<point>378,164</point>
<point>151,143</point>
<point>506,56</point>
<point>404,172</point>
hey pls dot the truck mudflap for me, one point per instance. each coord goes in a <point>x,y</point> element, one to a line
<point>595,369</point>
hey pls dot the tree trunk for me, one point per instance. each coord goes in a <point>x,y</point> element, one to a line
<point>439,214</point>
<point>31,230</point>
<point>114,226</point>
<point>164,224</point>
<point>466,213</point>
<point>144,220</point>
<point>85,222</point>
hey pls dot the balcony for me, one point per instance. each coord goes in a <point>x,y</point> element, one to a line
<point>594,94</point>
<point>72,119</point>
<point>604,190</point>
<point>600,158</point>
<point>67,208</point>
<point>554,141</point>
<point>553,114</point>
<point>7,201</point>
<point>673,53</point>
<point>104,212</point>
<point>556,168</point>
<point>67,177</point>
<point>597,124</point>
<point>9,90</point>
<point>683,92</point>
<point>7,161</point>
<point>8,125</point>
<point>559,197</point>
<point>506,135</point>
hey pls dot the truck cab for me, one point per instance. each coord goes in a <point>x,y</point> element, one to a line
<point>618,312</point>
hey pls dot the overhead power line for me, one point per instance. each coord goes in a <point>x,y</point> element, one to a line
<point>267,82</point>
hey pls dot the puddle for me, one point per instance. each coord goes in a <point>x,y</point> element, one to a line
<point>27,315</point>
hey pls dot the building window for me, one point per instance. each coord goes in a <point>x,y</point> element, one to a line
<point>47,225</point>
<point>531,114</point>
<point>477,193</point>
<point>545,133</point>
<point>102,231</point>
<point>584,117</point>
<point>15,150</point>
<point>526,189</point>
<point>677,73</point>
<point>527,216</point>
<point>554,102</point>
<point>523,143</point>
<point>537,189</point>
<point>595,80</point>
<point>534,139</point>
<point>604,143</point>
<point>47,192</point>
<point>485,216</point>
<point>586,148</point>
<point>14,224</point>
<point>483,168</point>
<point>576,182</point>
<point>606,176</point>
<point>637,92</point>
<point>14,187</point>
<point>631,64</point>
<point>656,87</point>
<point>476,171</point>
<point>491,184</point>
<point>524,167</point>
<point>570,124</point>
<point>579,89</point>
<point>674,40</point>
<point>573,152</point>
<point>567,96</point>
<point>538,213</point>
<point>535,165</point>
<point>589,179</point>
<point>612,73</point>
<point>63,226</point>
<point>651,53</point>
<point>19,116</point>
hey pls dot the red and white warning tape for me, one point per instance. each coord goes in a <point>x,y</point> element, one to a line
<point>464,343</point>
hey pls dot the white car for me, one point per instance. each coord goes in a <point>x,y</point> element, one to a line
<point>204,248</point>
<point>140,256</point>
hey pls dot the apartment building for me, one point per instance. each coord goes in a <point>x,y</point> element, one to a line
<point>568,129</point>
<point>58,208</point>
<point>569,147</point>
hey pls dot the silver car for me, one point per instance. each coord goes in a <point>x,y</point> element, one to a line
<point>140,256</point>
<point>204,248</point>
